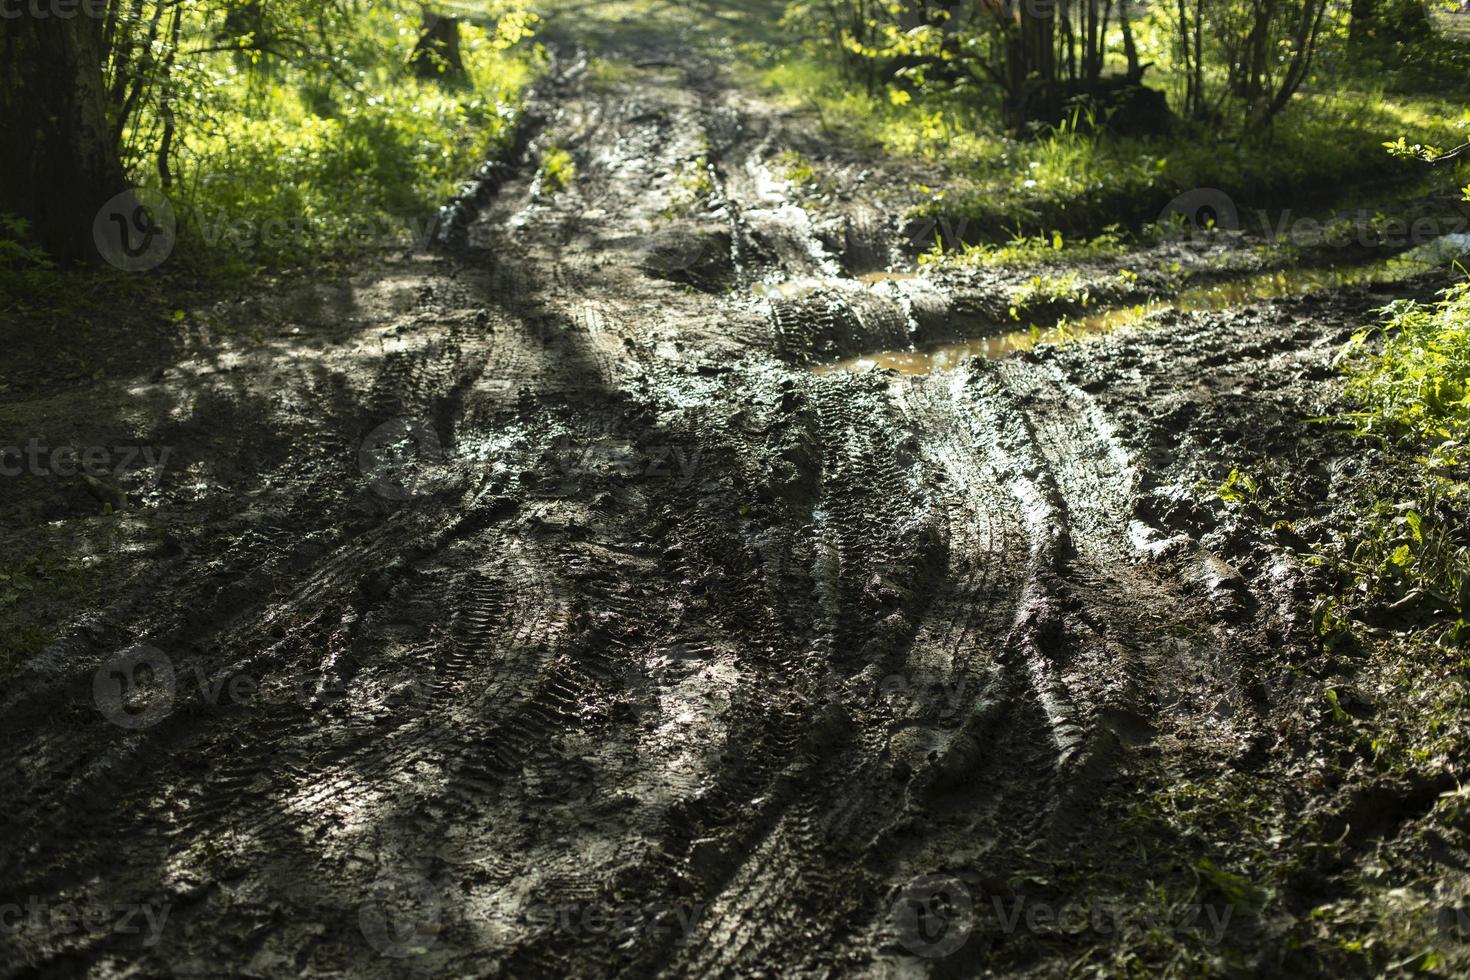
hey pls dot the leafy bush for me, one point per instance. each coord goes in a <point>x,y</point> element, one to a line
<point>1413,551</point>
<point>1417,386</point>
<point>278,161</point>
<point>17,252</point>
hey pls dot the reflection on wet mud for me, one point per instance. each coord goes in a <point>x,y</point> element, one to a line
<point>1216,296</point>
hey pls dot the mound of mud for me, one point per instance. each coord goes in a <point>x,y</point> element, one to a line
<point>703,260</point>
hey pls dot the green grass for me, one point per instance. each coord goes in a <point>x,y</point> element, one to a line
<point>1412,389</point>
<point>281,170</point>
<point>279,166</point>
<point>1417,384</point>
<point>557,170</point>
<point>796,168</point>
<point>1079,181</point>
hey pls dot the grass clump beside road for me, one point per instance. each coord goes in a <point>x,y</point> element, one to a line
<point>1417,386</point>
<point>557,170</point>
<point>1079,179</point>
<point>1413,393</point>
<point>1393,616</point>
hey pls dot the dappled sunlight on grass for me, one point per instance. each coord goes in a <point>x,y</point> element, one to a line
<point>1079,180</point>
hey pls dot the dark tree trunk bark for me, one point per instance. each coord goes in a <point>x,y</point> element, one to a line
<point>1032,93</point>
<point>1388,20</point>
<point>437,53</point>
<point>244,19</point>
<point>1130,47</point>
<point>59,160</point>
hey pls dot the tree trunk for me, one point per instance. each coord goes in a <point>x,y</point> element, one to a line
<point>1032,93</point>
<point>437,53</point>
<point>1130,47</point>
<point>59,161</point>
<point>1389,20</point>
<point>245,19</point>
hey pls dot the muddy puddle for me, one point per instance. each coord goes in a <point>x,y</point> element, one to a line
<point>1216,296</point>
<point>801,286</point>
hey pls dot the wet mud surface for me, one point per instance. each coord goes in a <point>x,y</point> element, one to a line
<point>534,608</point>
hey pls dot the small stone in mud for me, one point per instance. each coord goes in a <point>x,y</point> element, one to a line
<point>1218,574</point>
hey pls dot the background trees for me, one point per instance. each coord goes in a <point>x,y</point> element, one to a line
<point>1234,61</point>
<point>243,111</point>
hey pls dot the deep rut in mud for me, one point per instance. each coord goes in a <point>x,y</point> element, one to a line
<point>562,622</point>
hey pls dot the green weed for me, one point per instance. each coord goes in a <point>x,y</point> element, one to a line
<point>557,170</point>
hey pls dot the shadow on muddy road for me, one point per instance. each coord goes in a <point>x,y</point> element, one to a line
<point>533,609</point>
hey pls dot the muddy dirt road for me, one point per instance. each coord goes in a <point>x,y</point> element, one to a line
<point>536,609</point>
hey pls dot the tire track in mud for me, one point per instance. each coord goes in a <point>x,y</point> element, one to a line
<point>676,630</point>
